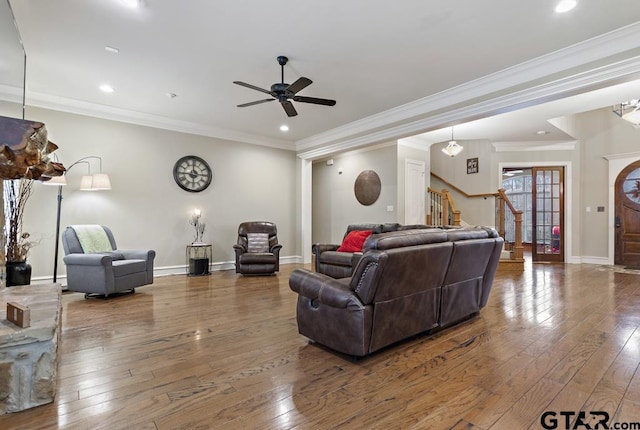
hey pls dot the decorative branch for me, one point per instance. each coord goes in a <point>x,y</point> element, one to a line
<point>16,195</point>
<point>199,226</point>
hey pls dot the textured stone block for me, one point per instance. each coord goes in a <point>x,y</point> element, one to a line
<point>28,356</point>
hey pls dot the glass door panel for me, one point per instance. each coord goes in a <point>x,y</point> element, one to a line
<point>548,207</point>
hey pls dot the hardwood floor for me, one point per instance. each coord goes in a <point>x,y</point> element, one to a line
<point>223,352</point>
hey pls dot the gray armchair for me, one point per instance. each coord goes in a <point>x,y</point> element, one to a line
<point>96,267</point>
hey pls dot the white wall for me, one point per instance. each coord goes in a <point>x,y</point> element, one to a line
<point>333,199</point>
<point>146,208</point>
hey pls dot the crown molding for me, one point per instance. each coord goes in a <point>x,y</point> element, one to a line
<point>78,107</point>
<point>621,156</point>
<point>534,146</point>
<point>571,85</point>
<point>582,54</point>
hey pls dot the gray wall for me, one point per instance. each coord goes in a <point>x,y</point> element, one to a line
<point>146,208</point>
<point>333,199</point>
<point>600,133</point>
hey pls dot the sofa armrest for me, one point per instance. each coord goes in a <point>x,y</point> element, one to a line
<point>319,248</point>
<point>355,258</point>
<point>323,288</point>
<point>138,254</point>
<point>88,260</point>
<point>275,249</point>
<point>239,249</point>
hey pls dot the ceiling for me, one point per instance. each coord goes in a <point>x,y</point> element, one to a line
<point>405,69</point>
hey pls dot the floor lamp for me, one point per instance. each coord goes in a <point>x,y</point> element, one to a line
<point>96,182</point>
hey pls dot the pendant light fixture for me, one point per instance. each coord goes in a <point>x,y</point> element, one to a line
<point>452,149</point>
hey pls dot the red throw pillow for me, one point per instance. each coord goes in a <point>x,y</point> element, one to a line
<point>354,241</point>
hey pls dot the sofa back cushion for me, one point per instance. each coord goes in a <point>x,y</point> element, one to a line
<point>401,239</point>
<point>384,275</point>
<point>375,228</point>
<point>463,284</point>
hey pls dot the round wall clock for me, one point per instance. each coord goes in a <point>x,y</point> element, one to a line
<point>192,173</point>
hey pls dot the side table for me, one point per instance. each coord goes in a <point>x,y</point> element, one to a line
<point>198,259</point>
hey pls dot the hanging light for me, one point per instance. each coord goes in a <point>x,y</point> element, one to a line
<point>629,111</point>
<point>452,149</point>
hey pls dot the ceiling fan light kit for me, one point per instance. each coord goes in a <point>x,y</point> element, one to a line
<point>284,92</point>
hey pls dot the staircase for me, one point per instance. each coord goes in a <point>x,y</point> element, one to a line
<point>442,211</point>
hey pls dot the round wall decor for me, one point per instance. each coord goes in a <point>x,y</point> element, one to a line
<point>367,187</point>
<point>192,173</point>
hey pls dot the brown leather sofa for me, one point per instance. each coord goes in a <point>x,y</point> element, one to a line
<point>257,249</point>
<point>329,261</point>
<point>406,283</point>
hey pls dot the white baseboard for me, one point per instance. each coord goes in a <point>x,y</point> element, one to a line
<point>595,260</point>
<point>174,270</point>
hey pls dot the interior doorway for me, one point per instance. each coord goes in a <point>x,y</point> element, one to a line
<point>538,191</point>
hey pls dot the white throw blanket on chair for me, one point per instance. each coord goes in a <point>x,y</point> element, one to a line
<point>92,238</point>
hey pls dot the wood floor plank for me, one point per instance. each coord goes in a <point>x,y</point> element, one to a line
<point>223,352</point>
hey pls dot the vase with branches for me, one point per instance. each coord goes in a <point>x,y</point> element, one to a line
<point>17,242</point>
<point>16,195</point>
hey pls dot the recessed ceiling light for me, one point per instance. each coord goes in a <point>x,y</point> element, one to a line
<point>542,132</point>
<point>566,5</point>
<point>171,95</point>
<point>284,127</point>
<point>106,88</point>
<point>111,49</point>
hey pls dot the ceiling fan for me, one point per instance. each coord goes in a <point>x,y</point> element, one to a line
<point>284,92</point>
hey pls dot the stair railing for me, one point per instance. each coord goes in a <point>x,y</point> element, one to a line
<point>509,225</point>
<point>442,210</point>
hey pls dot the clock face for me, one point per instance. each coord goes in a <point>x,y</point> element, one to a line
<point>192,173</point>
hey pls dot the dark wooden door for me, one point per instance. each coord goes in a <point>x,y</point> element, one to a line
<point>547,196</point>
<point>627,216</point>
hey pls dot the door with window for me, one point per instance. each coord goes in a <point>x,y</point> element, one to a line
<point>548,214</point>
<point>627,216</point>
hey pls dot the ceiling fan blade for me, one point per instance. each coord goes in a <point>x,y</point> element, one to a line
<point>314,100</point>
<point>299,85</point>
<point>257,102</point>
<point>253,87</point>
<point>288,108</point>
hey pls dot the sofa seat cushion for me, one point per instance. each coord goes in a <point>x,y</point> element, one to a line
<point>337,258</point>
<point>128,267</point>
<point>257,258</point>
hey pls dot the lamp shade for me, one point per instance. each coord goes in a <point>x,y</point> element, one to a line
<point>101,182</point>
<point>85,183</point>
<point>452,149</point>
